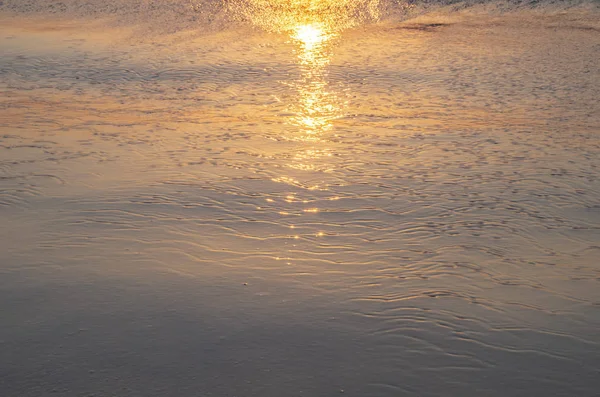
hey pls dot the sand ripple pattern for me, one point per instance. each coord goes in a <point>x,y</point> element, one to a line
<point>441,237</point>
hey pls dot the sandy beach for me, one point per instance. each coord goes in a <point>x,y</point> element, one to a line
<point>263,198</point>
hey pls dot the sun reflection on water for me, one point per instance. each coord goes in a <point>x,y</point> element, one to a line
<point>313,28</point>
<point>316,106</point>
<point>285,15</point>
<point>310,35</point>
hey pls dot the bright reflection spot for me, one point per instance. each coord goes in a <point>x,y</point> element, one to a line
<point>313,39</point>
<point>310,35</point>
<point>280,15</point>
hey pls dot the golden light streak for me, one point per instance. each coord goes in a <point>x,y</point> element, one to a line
<point>310,35</point>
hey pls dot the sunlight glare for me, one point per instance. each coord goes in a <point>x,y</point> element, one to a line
<point>310,35</point>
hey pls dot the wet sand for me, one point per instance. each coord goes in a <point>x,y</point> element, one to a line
<point>407,207</point>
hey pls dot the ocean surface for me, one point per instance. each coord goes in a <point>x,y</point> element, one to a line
<point>299,198</point>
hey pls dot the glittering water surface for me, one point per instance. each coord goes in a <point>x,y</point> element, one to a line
<point>314,200</point>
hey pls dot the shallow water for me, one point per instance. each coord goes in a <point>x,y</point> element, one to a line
<point>384,207</point>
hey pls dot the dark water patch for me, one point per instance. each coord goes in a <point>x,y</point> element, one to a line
<point>427,27</point>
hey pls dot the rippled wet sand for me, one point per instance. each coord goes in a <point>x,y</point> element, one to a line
<point>403,209</point>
